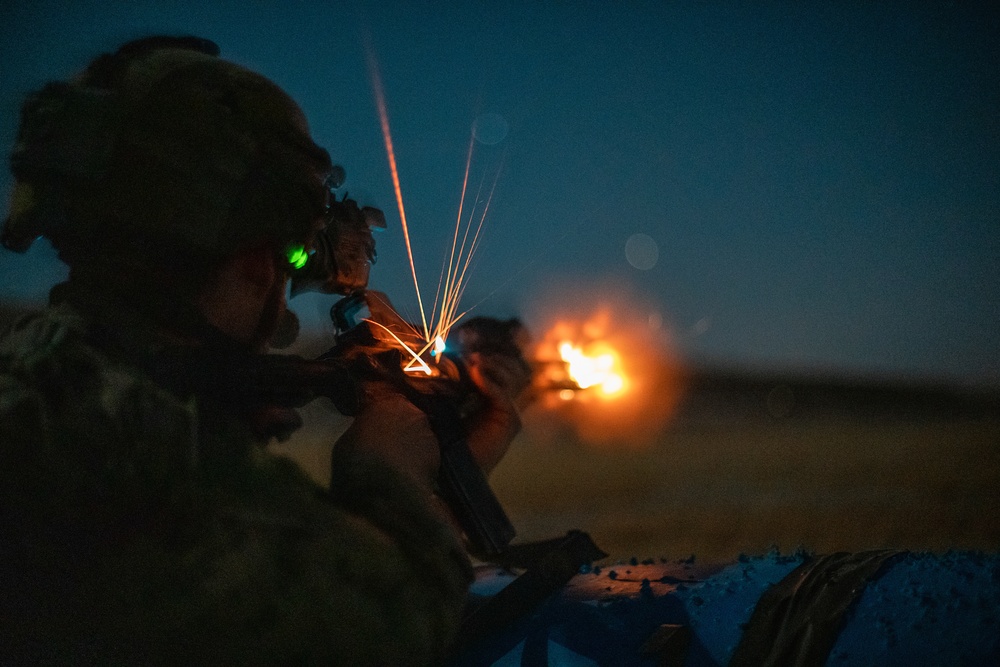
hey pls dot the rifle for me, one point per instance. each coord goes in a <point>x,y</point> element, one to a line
<point>344,253</point>
<point>340,263</point>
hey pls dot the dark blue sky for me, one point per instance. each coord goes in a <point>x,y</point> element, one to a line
<point>821,180</point>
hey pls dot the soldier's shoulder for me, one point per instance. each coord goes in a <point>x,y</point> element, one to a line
<point>83,420</point>
<point>50,355</point>
<point>37,335</point>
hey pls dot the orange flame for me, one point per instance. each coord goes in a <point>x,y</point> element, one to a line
<point>608,370</point>
<point>599,366</point>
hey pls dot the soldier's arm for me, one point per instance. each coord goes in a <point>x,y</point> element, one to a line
<point>367,574</point>
<point>206,547</point>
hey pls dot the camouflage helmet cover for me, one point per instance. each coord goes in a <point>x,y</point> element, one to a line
<point>165,142</point>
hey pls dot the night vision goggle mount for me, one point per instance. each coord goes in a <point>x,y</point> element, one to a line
<point>343,252</point>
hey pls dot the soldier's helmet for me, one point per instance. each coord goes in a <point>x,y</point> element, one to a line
<point>163,149</point>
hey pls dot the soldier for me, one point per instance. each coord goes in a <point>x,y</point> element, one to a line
<point>145,523</point>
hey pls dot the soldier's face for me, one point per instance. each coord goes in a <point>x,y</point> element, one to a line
<point>271,313</point>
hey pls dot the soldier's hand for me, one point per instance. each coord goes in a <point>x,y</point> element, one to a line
<point>500,379</point>
<point>393,430</point>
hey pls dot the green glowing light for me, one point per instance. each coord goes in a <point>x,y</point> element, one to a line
<point>297,256</point>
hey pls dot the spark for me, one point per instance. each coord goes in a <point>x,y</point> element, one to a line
<point>447,271</point>
<point>417,361</point>
<point>439,346</point>
<point>383,115</point>
<point>465,241</point>
<point>458,282</point>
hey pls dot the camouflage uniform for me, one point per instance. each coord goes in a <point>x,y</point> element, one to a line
<point>140,526</point>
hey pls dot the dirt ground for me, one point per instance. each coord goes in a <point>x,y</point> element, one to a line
<point>718,490</point>
<point>719,482</point>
